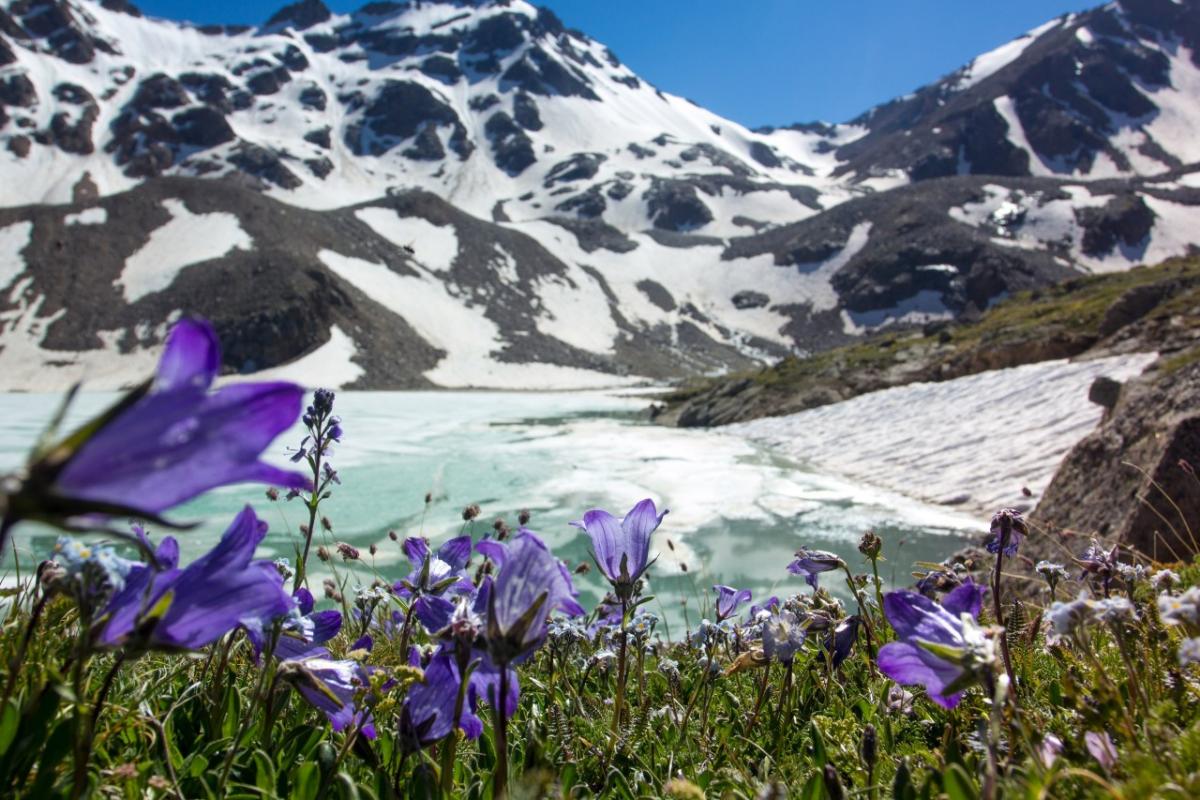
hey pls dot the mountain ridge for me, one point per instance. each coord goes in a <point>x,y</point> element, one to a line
<point>671,241</point>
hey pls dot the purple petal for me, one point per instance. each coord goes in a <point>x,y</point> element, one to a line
<point>641,521</point>
<point>456,552</point>
<point>417,550</point>
<point>192,357</point>
<point>964,599</point>
<point>908,664</point>
<point>608,541</point>
<point>304,601</point>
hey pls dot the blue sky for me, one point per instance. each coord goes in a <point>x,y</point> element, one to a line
<point>762,62</point>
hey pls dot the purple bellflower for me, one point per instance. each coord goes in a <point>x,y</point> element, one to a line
<point>839,642</point>
<point>333,687</point>
<point>811,563</point>
<point>783,633</point>
<point>162,607</point>
<point>163,443</point>
<point>531,585</point>
<point>622,550</point>
<point>305,630</point>
<point>940,646</point>
<point>428,711</point>
<point>436,578</point>
<point>729,600</point>
<point>1008,529</point>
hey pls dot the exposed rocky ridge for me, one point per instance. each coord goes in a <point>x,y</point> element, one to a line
<point>721,245</point>
<point>297,297</point>
<point>1146,309</point>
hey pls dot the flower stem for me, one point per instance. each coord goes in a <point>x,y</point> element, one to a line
<point>998,605</point>
<point>451,744</point>
<point>500,778</point>
<point>619,706</point>
<point>14,666</point>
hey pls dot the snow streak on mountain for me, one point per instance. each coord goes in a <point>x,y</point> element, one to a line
<point>471,194</point>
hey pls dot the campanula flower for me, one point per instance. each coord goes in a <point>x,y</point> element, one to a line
<point>811,563</point>
<point>729,600</point>
<point>940,646</point>
<point>1008,528</point>
<point>163,443</point>
<point>166,608</point>
<point>622,550</point>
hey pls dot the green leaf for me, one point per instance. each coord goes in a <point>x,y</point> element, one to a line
<point>958,785</point>
<point>819,754</point>
<point>902,788</point>
<point>10,718</point>
<point>814,788</point>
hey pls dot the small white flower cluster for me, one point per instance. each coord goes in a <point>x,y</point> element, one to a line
<point>1065,618</point>
<point>1182,609</point>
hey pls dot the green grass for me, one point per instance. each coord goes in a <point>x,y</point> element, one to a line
<point>172,719</point>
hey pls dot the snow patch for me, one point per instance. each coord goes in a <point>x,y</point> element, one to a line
<point>973,442</point>
<point>89,216</point>
<point>992,62</point>
<point>186,240</point>
<point>926,305</point>
<point>13,239</point>
<point>469,339</point>
<point>576,311</point>
<point>434,246</point>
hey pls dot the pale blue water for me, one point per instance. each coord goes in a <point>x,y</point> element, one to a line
<point>737,511</point>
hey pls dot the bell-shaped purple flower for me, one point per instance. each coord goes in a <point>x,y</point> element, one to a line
<point>334,687</point>
<point>436,579</point>
<point>1008,528</point>
<point>729,600</point>
<point>305,630</point>
<point>531,585</point>
<point>162,444</point>
<point>174,609</point>
<point>811,563</point>
<point>428,711</point>
<point>840,641</point>
<point>939,646</point>
<point>622,550</point>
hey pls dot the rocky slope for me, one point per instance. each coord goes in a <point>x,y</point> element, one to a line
<point>1148,309</point>
<point>447,191</point>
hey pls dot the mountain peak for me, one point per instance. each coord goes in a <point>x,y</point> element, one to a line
<point>299,16</point>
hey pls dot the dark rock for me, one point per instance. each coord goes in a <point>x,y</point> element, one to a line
<point>1125,481</point>
<point>268,81</point>
<point>483,102</point>
<point>499,33</point>
<point>595,234</point>
<point>657,294</point>
<point>17,90</point>
<point>159,91</point>
<point>74,94</point>
<point>511,148</point>
<point>19,146</point>
<point>764,154</point>
<point>265,164</point>
<point>319,137</point>
<point>442,68</point>
<point>579,167</point>
<point>202,127</point>
<point>320,167</point>
<point>313,97</point>
<point>300,16</point>
<point>1104,391</point>
<point>750,299</point>
<point>7,56</point>
<point>639,151</point>
<point>293,58</point>
<point>85,190</point>
<point>322,42</point>
<point>676,206</point>
<point>212,89</point>
<point>75,135</point>
<point>589,204</point>
<point>716,157</point>
<point>1134,304</point>
<point>537,73</point>
<point>1125,219</point>
<point>619,190</point>
<point>122,7</point>
<point>426,146</point>
<point>525,112</point>
<point>399,110</point>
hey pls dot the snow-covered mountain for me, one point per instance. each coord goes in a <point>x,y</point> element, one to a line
<point>470,194</point>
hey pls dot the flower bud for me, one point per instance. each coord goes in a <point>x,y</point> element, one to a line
<point>870,545</point>
<point>471,512</point>
<point>523,517</point>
